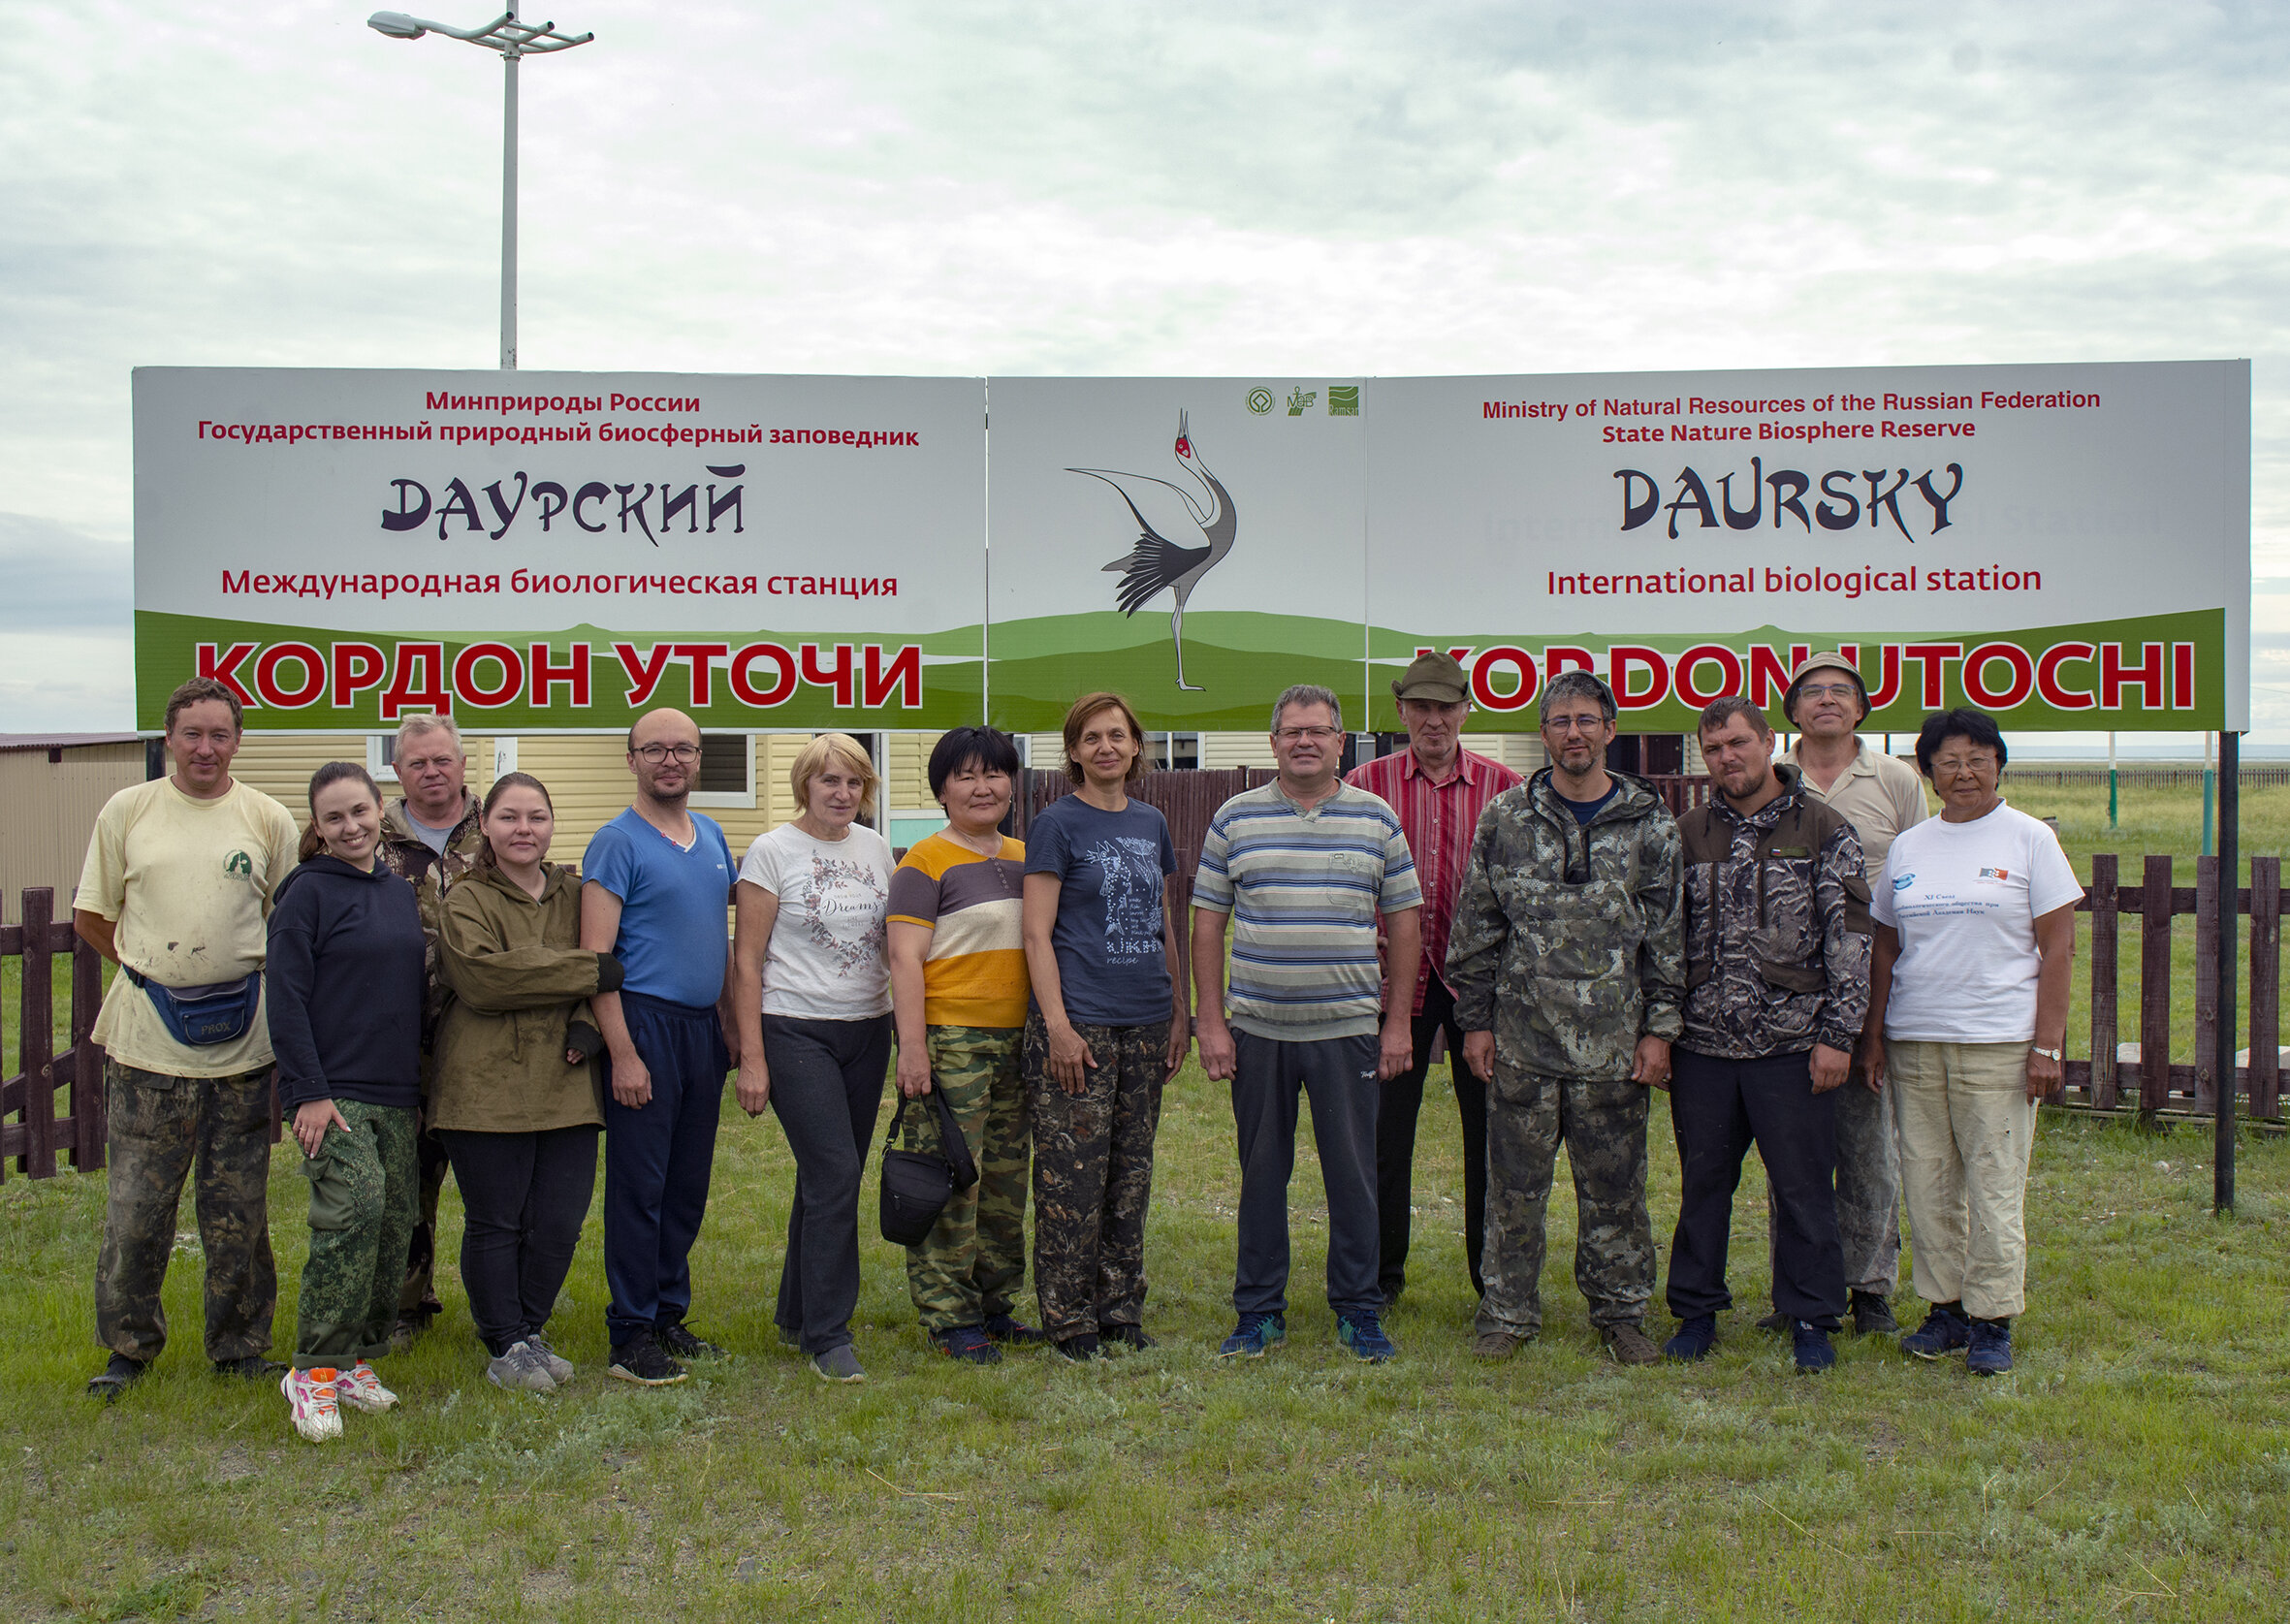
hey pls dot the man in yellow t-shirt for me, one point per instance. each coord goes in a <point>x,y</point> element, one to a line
<point>176,890</point>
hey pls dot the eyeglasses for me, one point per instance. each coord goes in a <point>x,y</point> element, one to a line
<point>1318,735</point>
<point>653,755</point>
<point>1828,690</point>
<point>1574,724</point>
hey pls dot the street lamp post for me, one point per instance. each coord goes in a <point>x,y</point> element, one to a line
<point>513,40</point>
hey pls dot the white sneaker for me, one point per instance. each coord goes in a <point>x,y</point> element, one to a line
<point>310,1397</point>
<point>521,1370</point>
<point>362,1389</point>
<point>561,1370</point>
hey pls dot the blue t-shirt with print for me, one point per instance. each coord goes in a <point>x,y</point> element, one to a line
<point>1112,967</point>
<point>673,944</point>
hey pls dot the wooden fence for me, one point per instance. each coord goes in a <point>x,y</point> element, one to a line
<point>2116,1071</point>
<point>32,1136</point>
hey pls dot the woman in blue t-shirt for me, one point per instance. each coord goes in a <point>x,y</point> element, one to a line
<point>1109,1026</point>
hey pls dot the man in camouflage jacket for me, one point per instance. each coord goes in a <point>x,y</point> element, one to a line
<point>1778,957</point>
<point>1564,959</point>
<point>437,807</point>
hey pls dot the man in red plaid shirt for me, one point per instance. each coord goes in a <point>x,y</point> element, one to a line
<point>1439,789</point>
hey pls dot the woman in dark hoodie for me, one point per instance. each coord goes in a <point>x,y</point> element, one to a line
<point>345,979</point>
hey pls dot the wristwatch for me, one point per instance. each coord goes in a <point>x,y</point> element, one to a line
<point>2048,1054</point>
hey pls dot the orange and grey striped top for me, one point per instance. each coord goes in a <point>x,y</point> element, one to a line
<point>974,974</point>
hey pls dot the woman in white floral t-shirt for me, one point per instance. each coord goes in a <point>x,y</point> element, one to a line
<point>813,999</point>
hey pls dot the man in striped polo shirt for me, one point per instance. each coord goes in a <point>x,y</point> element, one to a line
<point>1305,866</point>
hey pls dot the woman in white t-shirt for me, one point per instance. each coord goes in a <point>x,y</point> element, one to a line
<point>812,997</point>
<point>1976,931</point>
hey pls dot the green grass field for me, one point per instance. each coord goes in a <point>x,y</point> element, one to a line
<point>2136,1465</point>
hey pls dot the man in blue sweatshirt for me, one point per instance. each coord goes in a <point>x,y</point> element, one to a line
<point>658,879</point>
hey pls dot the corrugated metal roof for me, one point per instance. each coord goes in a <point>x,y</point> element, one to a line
<point>62,740</point>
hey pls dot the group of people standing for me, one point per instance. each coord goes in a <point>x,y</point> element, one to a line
<point>1805,964</point>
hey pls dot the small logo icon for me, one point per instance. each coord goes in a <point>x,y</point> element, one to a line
<point>1260,400</point>
<point>1995,874</point>
<point>1299,399</point>
<point>1901,883</point>
<point>241,864</point>
<point>1343,399</point>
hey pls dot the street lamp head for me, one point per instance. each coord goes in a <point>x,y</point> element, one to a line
<point>504,33</point>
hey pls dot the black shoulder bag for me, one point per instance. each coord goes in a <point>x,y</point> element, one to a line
<point>916,1184</point>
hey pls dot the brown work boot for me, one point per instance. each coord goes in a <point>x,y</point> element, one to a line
<point>1497,1344</point>
<point>1630,1345</point>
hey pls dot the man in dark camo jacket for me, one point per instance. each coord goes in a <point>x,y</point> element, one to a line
<point>1778,957</point>
<point>1564,959</point>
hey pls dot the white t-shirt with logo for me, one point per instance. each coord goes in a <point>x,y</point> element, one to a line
<point>828,957</point>
<point>1965,898</point>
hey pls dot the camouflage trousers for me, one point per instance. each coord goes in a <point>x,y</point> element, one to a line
<point>968,1268</point>
<point>1092,1174</point>
<point>1604,1125</point>
<point>364,1201</point>
<point>160,1128</point>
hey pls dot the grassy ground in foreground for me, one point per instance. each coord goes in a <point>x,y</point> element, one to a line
<point>2134,1466</point>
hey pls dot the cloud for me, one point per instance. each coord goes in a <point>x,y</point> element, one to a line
<point>1012,185</point>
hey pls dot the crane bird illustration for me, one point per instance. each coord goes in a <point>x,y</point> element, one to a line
<point>1155,561</point>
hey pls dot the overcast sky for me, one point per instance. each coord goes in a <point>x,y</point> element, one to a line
<point>942,187</point>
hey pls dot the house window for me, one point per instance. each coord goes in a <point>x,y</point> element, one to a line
<point>727,771</point>
<point>381,756</point>
<point>1167,751</point>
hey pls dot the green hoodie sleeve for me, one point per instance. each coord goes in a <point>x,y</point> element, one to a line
<point>491,976</point>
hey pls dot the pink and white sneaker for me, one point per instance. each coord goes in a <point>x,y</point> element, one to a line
<point>362,1389</point>
<point>310,1398</point>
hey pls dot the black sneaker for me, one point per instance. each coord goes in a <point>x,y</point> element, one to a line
<point>1945,1330</point>
<point>967,1344</point>
<point>1989,1351</point>
<point>1004,1328</point>
<point>1695,1338</point>
<point>252,1368</point>
<point>119,1373</point>
<point>677,1339</point>
<point>641,1359</point>
<point>1872,1316</point>
<point>1811,1348</point>
<point>1774,1323</point>
<point>1081,1347</point>
<point>1127,1336</point>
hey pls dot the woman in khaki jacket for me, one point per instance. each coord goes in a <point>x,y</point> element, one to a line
<point>515,1098</point>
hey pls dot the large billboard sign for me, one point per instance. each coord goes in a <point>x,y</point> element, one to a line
<point>2066,546</point>
<point>535,551</point>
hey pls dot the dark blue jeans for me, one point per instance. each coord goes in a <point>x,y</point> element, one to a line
<point>1719,1108</point>
<point>658,1159</point>
<point>827,1081</point>
<point>1338,1076</point>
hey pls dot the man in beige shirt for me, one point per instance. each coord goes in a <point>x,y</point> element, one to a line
<point>177,891</point>
<point>1879,796</point>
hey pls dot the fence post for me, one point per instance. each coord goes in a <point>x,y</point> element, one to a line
<point>2207,914</point>
<point>2154,991</point>
<point>2266,986</point>
<point>37,1014</point>
<point>2222,1055</point>
<point>90,1130</point>
<point>2106,1028</point>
